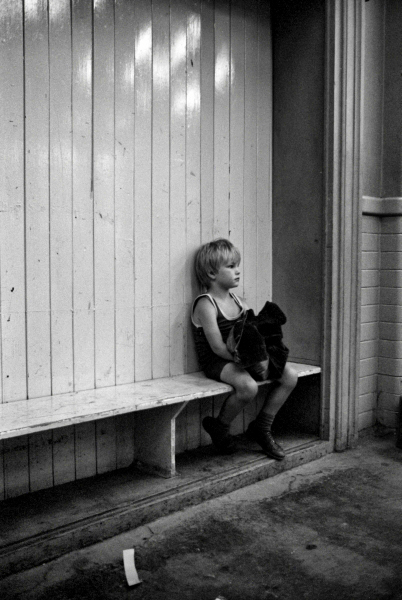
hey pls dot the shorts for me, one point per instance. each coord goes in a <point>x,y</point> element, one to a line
<point>215,368</point>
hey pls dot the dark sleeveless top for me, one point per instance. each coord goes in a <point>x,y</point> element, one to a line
<point>206,356</point>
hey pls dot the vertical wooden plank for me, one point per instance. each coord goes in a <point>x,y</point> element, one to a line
<point>177,278</point>
<point>16,474</point>
<point>63,455</point>
<point>142,186</point>
<point>236,183</point>
<point>221,120</point>
<point>84,365</point>
<point>61,284</point>
<point>85,450</point>
<point>193,160</point>
<point>264,158</point>
<point>178,334</point>
<point>160,341</point>
<point>143,327</point>
<point>193,138</point>
<point>2,486</point>
<point>193,425</point>
<point>160,189</point>
<point>12,219</point>
<point>103,149</point>
<point>124,189</point>
<point>206,410</point>
<point>105,445</point>
<point>37,196</point>
<point>125,440</point>
<point>250,156</point>
<point>218,403</point>
<point>37,156</point>
<point>207,120</point>
<point>40,461</point>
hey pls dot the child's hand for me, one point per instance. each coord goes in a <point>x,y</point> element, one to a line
<point>260,370</point>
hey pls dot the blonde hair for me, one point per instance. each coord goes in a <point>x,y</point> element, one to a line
<point>211,256</point>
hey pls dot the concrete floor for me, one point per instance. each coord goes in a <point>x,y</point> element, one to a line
<point>330,529</point>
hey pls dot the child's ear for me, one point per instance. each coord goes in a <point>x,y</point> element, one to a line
<point>212,275</point>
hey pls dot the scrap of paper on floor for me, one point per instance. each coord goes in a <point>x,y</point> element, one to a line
<point>129,567</point>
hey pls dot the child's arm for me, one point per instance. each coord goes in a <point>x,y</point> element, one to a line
<point>206,315</point>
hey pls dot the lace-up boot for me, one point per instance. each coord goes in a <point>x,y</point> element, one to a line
<point>259,432</point>
<point>220,436</point>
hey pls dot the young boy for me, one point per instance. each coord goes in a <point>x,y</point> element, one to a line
<point>213,315</point>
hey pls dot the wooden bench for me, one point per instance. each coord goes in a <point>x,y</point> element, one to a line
<point>157,403</point>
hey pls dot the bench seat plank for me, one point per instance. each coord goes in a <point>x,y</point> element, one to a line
<point>40,414</point>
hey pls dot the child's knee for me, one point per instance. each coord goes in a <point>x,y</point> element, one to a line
<point>247,389</point>
<point>289,378</point>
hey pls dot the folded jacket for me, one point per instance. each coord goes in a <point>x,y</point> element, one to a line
<point>269,323</point>
<point>253,339</point>
<point>245,342</point>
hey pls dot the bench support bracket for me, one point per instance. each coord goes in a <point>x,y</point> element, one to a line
<point>154,439</point>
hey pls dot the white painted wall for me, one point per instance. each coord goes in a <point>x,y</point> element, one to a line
<point>147,132</point>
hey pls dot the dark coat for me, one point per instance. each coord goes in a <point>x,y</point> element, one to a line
<point>253,339</point>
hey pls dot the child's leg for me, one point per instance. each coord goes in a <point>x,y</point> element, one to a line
<point>260,429</point>
<point>245,390</point>
<point>280,393</point>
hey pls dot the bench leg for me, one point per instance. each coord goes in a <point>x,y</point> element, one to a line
<point>155,439</point>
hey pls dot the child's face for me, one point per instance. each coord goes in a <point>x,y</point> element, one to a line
<point>228,275</point>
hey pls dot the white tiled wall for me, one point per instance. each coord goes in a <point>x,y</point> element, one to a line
<point>381,323</point>
<point>369,321</point>
<point>390,344</point>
